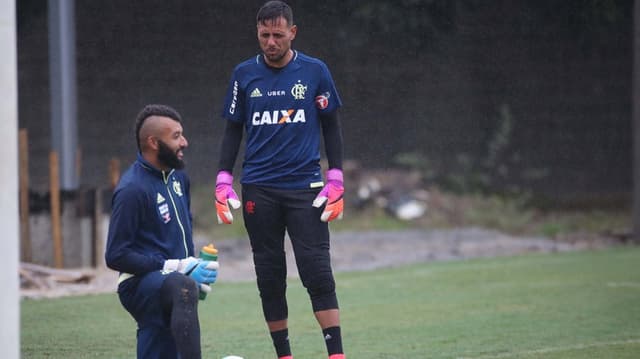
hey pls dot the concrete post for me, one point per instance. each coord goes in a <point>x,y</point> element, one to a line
<point>9,221</point>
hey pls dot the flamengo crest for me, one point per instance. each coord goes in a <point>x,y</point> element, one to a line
<point>298,90</point>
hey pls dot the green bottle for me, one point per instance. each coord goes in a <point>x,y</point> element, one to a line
<point>208,253</point>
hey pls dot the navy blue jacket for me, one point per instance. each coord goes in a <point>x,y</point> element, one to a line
<point>150,219</point>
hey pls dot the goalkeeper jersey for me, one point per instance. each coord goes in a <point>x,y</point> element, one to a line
<point>279,109</point>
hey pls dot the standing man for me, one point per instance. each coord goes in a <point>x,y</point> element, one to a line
<point>150,243</point>
<point>285,101</point>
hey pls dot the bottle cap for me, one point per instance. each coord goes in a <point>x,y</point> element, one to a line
<point>210,249</point>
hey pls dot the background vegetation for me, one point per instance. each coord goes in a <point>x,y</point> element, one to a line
<point>516,215</point>
<point>530,96</point>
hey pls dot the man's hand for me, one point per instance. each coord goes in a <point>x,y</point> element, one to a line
<point>204,272</point>
<point>332,194</point>
<point>201,271</point>
<point>205,288</point>
<point>225,196</point>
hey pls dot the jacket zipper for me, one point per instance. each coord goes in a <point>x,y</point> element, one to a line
<point>175,208</point>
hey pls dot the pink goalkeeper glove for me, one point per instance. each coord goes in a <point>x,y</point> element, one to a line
<point>331,194</point>
<point>225,196</point>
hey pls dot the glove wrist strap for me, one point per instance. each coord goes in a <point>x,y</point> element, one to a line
<point>171,265</point>
<point>335,174</point>
<point>224,177</point>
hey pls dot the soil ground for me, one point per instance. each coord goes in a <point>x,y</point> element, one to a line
<point>360,251</point>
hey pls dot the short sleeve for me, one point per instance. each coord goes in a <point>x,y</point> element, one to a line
<point>327,99</point>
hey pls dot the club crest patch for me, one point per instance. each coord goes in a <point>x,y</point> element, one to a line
<point>298,91</point>
<point>250,207</point>
<point>177,188</point>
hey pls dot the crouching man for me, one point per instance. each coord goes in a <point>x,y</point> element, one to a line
<point>150,241</point>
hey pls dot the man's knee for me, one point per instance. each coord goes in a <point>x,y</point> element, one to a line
<point>179,288</point>
<point>322,291</point>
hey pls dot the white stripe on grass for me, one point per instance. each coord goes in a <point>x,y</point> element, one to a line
<point>556,349</point>
<point>624,284</point>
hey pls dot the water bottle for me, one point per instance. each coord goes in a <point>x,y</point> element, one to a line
<point>208,253</point>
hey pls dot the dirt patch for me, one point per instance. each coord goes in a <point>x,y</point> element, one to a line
<point>362,251</point>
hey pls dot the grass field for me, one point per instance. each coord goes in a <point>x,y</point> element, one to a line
<point>569,305</point>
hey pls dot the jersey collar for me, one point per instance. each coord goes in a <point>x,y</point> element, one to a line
<point>293,62</point>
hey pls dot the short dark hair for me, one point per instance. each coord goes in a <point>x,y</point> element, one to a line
<point>154,110</point>
<point>272,10</point>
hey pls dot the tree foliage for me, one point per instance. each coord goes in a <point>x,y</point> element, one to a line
<point>591,23</point>
<point>411,23</point>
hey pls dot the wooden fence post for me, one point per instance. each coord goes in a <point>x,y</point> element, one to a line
<point>114,172</point>
<point>56,227</point>
<point>97,230</point>
<point>25,238</point>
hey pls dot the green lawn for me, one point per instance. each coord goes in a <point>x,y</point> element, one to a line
<point>570,305</point>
